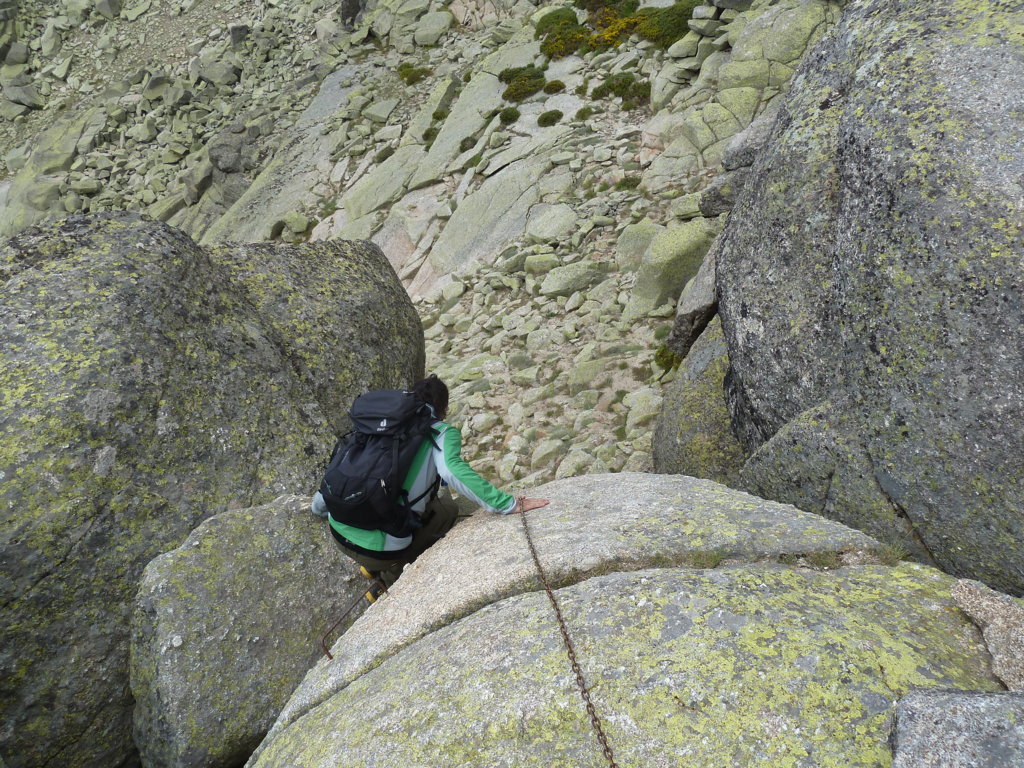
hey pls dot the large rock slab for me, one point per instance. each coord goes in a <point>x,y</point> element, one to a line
<point>147,384</point>
<point>870,280</point>
<point>595,523</point>
<point>227,625</point>
<point>685,667</point>
<point>490,218</point>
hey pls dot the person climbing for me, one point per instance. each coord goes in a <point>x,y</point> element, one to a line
<point>382,555</point>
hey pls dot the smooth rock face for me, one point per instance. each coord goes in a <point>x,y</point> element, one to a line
<point>147,384</point>
<point>226,626</point>
<point>624,521</point>
<point>686,668</point>
<point>959,730</point>
<point>870,280</point>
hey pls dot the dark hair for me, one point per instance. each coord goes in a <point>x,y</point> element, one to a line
<point>433,391</point>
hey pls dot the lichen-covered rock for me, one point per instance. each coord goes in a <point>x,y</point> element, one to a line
<point>731,666</point>
<point>623,521</point>
<point>693,435</point>
<point>227,625</point>
<point>147,384</point>
<point>871,275</point>
<point>953,729</point>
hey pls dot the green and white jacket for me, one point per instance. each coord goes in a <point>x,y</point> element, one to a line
<point>441,456</point>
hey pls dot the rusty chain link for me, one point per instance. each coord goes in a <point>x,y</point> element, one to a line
<point>570,651</point>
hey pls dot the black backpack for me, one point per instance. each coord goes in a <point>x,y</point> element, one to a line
<point>362,486</point>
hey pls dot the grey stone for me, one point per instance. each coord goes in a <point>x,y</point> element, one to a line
<point>225,152</point>
<point>672,258</point>
<point>957,729</point>
<point>238,34</point>
<point>233,609</point>
<point>18,53</point>
<point>550,223</point>
<point>693,435</point>
<point>633,241</point>
<point>53,152</point>
<point>9,110</point>
<point>487,220</point>
<point>697,305</point>
<point>705,27</point>
<point>578,276</point>
<point>287,182</point>
<point>432,26</point>
<point>742,149</point>
<point>474,106</point>
<point>379,111</point>
<point>26,95</point>
<point>154,446</point>
<point>857,327</point>
<point>108,9</point>
<point>87,186</point>
<point>220,72</point>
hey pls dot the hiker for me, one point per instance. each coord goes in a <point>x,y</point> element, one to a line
<point>383,555</point>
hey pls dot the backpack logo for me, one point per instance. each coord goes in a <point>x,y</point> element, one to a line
<point>383,425</point>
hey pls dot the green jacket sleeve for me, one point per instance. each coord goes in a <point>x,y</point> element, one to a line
<point>460,476</point>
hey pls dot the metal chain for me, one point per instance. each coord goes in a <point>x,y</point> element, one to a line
<point>581,683</point>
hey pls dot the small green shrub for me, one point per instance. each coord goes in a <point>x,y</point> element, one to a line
<point>824,560</point>
<point>565,41</point>
<point>440,114</point>
<point>663,26</point>
<point>384,154</point>
<point>891,554</point>
<point>584,113</point>
<point>621,7</point>
<point>411,74</point>
<point>558,17</point>
<point>467,76</point>
<point>548,118</point>
<point>661,332</point>
<point>508,115</point>
<point>467,144</point>
<point>666,359</point>
<point>581,89</point>
<point>628,182</point>
<point>430,134</point>
<point>631,91</point>
<point>703,559</point>
<point>554,86</point>
<point>523,82</point>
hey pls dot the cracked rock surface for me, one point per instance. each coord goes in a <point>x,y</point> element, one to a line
<point>462,662</point>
